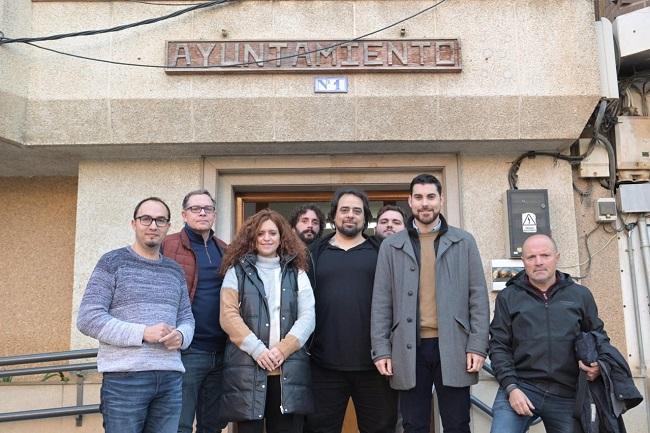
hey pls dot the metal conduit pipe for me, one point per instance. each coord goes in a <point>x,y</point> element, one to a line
<point>635,299</point>
<point>645,253</point>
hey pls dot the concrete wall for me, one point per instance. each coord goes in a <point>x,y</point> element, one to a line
<point>518,80</point>
<point>15,20</point>
<point>108,193</point>
<point>37,228</point>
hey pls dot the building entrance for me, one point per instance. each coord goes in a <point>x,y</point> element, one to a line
<point>248,203</point>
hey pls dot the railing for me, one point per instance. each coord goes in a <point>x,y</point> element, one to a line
<point>79,410</point>
<point>486,408</point>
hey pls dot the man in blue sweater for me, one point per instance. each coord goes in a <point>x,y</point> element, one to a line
<point>199,252</point>
<point>136,305</point>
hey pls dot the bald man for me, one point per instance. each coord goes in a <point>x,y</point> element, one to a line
<point>536,320</point>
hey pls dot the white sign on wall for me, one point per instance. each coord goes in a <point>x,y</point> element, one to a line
<point>331,85</point>
<point>528,222</point>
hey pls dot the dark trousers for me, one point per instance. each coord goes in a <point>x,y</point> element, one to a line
<point>415,404</point>
<point>274,420</point>
<point>374,401</point>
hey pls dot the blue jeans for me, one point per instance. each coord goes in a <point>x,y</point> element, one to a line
<point>201,391</point>
<point>141,401</point>
<point>556,412</point>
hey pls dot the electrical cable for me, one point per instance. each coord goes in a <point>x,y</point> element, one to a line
<point>143,65</point>
<point>574,160</point>
<point>590,255</point>
<point>158,4</point>
<point>5,40</point>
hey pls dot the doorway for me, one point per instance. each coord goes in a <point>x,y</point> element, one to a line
<point>248,203</point>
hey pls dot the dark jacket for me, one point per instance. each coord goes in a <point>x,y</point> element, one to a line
<point>244,382</point>
<point>532,339</point>
<point>178,248</point>
<point>611,394</point>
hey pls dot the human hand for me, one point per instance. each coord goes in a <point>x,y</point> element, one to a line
<point>592,370</point>
<point>520,403</point>
<point>474,362</point>
<point>276,356</point>
<point>173,340</point>
<point>385,366</point>
<point>265,361</point>
<point>153,333</point>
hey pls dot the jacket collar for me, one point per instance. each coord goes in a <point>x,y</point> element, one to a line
<point>521,281</point>
<point>195,237</point>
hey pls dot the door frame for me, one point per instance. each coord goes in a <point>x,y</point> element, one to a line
<point>228,176</point>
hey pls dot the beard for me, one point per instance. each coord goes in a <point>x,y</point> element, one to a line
<point>304,236</point>
<point>349,231</point>
<point>427,220</point>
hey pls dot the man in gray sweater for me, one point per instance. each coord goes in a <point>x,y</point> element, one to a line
<point>136,304</point>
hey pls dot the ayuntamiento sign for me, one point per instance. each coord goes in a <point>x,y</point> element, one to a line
<point>425,55</point>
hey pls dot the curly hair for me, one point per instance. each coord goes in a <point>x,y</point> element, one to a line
<point>246,239</point>
<point>303,209</point>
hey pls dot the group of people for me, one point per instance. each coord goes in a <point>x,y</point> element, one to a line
<point>280,329</point>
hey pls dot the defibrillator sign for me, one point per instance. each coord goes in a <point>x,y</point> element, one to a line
<point>528,222</point>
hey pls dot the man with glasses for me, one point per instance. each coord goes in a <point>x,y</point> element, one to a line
<point>199,252</point>
<point>136,305</point>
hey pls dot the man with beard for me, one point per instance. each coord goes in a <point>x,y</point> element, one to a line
<point>308,222</point>
<point>390,220</point>
<point>342,274</point>
<point>136,305</point>
<point>430,313</point>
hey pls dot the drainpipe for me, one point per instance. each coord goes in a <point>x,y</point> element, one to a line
<point>635,296</point>
<point>642,226</point>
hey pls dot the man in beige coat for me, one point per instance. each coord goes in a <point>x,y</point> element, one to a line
<point>430,313</point>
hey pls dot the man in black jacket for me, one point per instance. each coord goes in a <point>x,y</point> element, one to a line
<point>342,274</point>
<point>537,318</point>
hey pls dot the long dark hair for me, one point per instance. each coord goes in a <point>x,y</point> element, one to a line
<point>246,240</point>
<point>334,204</point>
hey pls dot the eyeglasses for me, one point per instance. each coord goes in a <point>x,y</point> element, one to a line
<point>146,221</point>
<point>198,209</point>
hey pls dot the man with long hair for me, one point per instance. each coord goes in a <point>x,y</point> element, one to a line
<point>267,310</point>
<point>342,274</point>
<point>308,221</point>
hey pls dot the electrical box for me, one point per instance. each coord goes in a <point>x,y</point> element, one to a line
<point>527,215</point>
<point>597,163</point>
<point>632,35</point>
<point>605,210</point>
<point>634,197</point>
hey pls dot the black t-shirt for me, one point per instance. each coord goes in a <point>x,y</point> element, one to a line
<point>343,292</point>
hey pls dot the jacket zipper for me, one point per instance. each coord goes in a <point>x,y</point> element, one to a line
<point>205,244</point>
<point>281,391</point>
<point>548,332</point>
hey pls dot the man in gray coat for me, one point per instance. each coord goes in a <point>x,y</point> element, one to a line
<point>430,313</point>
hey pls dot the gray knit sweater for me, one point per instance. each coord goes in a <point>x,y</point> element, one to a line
<point>126,293</point>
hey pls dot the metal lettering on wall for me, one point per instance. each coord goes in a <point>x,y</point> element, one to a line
<point>426,55</point>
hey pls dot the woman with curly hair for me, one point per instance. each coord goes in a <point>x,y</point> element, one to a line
<point>267,310</point>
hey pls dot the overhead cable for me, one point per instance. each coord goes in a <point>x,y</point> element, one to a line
<point>5,40</point>
<point>290,56</point>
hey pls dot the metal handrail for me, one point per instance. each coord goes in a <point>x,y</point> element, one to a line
<point>48,357</point>
<point>486,408</point>
<point>79,410</point>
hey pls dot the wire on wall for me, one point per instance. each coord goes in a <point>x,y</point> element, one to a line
<point>30,41</point>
